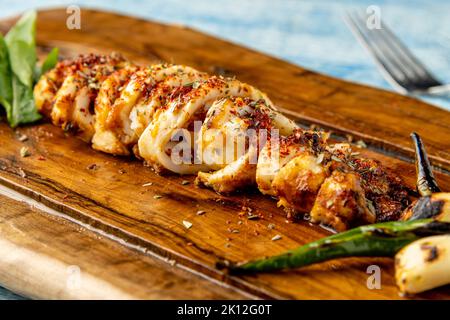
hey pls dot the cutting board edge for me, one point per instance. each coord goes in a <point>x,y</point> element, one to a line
<point>138,244</point>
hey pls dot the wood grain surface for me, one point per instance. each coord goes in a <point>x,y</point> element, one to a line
<point>111,197</point>
<point>47,257</point>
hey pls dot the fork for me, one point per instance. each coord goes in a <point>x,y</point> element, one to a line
<point>397,64</point>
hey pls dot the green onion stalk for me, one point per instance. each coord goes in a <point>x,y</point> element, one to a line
<point>376,240</point>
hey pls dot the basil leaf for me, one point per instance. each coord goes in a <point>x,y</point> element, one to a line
<point>49,63</point>
<point>23,59</point>
<point>24,29</point>
<point>18,70</point>
<point>5,78</point>
<point>23,107</point>
<point>22,47</point>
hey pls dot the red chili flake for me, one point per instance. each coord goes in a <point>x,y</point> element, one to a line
<point>41,158</point>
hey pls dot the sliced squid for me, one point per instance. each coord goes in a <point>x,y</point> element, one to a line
<point>235,176</point>
<point>297,183</point>
<point>233,133</point>
<point>169,84</point>
<point>104,139</point>
<point>276,154</point>
<point>341,202</point>
<point>229,133</point>
<point>62,109</point>
<point>317,181</point>
<point>72,106</point>
<point>47,87</point>
<point>131,112</point>
<point>173,121</point>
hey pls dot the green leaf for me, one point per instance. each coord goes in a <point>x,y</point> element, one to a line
<point>24,29</point>
<point>17,70</point>
<point>5,77</point>
<point>23,107</point>
<point>23,59</point>
<point>22,47</point>
<point>51,61</point>
<point>5,71</point>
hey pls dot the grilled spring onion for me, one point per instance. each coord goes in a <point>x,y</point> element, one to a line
<point>423,265</point>
<point>377,240</point>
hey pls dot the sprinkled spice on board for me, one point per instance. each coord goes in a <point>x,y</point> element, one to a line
<point>276,237</point>
<point>187,224</point>
<point>23,138</point>
<point>24,152</point>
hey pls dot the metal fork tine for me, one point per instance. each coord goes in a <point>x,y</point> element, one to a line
<point>385,46</point>
<point>375,38</point>
<point>396,57</point>
<point>392,72</point>
<point>410,60</point>
<point>399,66</point>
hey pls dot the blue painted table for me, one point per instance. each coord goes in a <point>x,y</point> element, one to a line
<point>309,33</point>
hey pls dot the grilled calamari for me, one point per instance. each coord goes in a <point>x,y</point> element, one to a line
<point>181,120</point>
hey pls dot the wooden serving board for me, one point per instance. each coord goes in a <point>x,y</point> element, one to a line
<point>143,236</point>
